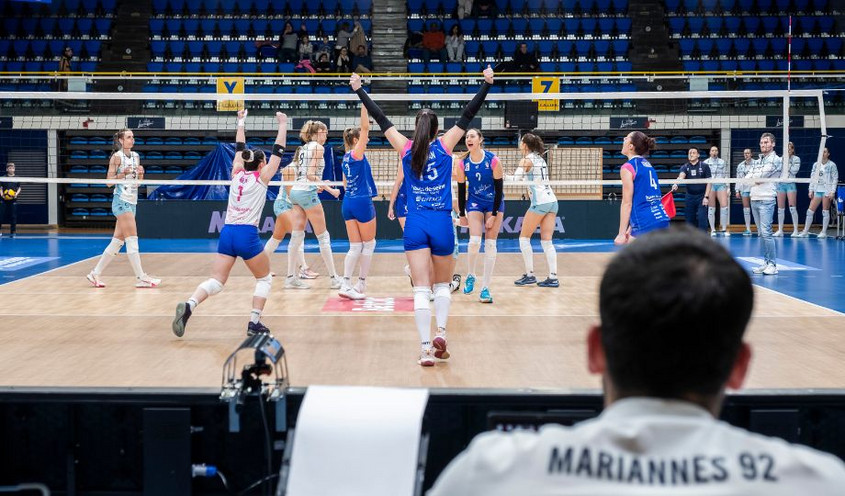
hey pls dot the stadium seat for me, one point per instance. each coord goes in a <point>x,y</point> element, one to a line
<point>695,25</point>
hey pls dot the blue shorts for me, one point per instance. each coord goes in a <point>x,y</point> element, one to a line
<point>820,194</point>
<point>639,231</point>
<point>483,207</point>
<point>544,208</point>
<point>745,194</point>
<point>239,240</point>
<point>281,205</point>
<point>786,188</point>
<point>400,207</point>
<point>720,187</point>
<point>360,209</point>
<point>304,198</point>
<point>432,229</point>
<point>120,207</point>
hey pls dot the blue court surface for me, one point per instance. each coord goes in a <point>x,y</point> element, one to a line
<point>809,269</point>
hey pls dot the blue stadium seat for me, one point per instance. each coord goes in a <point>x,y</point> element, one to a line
<point>751,24</point>
<point>87,66</point>
<point>723,45</point>
<point>732,24</point>
<point>620,48</point>
<point>729,65</point>
<point>802,65</point>
<point>93,47</point>
<point>582,47</point>
<point>692,65</point>
<point>33,66</point>
<point>687,45</point>
<point>766,65</point>
<point>553,25</point>
<point>66,25</point>
<point>747,65</point>
<point>537,26</point>
<point>710,65</point>
<point>825,25</point>
<point>173,26</point>
<point>84,25</point>
<point>103,26</point>
<point>834,45</point>
<point>159,6</point>
<point>714,25</point>
<point>566,67</point>
<point>705,45</point>
<point>760,45</point>
<point>548,66</point>
<point>806,24</point>
<point>48,25</point>
<point>545,47</point>
<point>695,24</point>
<point>195,47</point>
<point>589,25</point>
<point>484,26</point>
<point>156,27</point>
<point>435,67</point>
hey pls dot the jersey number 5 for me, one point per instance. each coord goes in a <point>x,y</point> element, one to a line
<point>431,173</point>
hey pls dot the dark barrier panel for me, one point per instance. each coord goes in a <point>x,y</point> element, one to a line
<point>577,219</point>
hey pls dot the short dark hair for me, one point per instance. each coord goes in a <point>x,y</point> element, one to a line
<point>674,306</point>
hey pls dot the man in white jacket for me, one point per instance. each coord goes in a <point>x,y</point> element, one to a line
<point>763,200</point>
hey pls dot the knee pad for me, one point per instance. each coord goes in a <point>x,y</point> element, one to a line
<point>368,247</point>
<point>441,290</point>
<point>793,211</point>
<point>114,247</point>
<point>547,244</point>
<point>475,241</point>
<point>212,286</point>
<point>781,211</point>
<point>524,243</point>
<point>746,210</point>
<point>490,247</point>
<point>711,210</point>
<point>132,244</point>
<point>324,239</point>
<point>356,248</point>
<point>422,297</point>
<point>263,285</point>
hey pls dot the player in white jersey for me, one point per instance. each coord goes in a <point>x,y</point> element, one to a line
<point>823,181</point>
<point>719,191</point>
<point>124,164</point>
<point>309,162</point>
<point>239,237</point>
<point>542,212</point>
<point>665,368</point>
<point>743,190</point>
<point>789,191</point>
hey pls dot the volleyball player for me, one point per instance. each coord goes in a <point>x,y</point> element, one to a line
<point>239,237</point>
<point>282,209</point>
<point>641,210</point>
<point>718,191</point>
<point>124,164</point>
<point>309,161</point>
<point>429,236</point>
<point>542,212</point>
<point>359,213</point>
<point>743,190</point>
<point>788,191</point>
<point>822,189</point>
<point>480,172</point>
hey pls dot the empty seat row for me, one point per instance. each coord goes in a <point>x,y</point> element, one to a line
<point>252,89</point>
<point>554,66</point>
<point>55,26</point>
<point>220,67</point>
<point>527,6</point>
<point>751,25</point>
<point>41,66</point>
<point>245,27</point>
<point>765,65</point>
<point>64,7</point>
<point>149,155</point>
<point>549,48</point>
<point>550,27</point>
<point>260,7</point>
<point>731,47</point>
<point>140,140</point>
<point>37,48</point>
<point>748,6</point>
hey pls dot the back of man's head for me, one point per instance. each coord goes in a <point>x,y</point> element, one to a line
<point>674,306</point>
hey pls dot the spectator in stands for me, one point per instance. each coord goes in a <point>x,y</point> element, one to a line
<point>362,62</point>
<point>288,43</point>
<point>343,36</point>
<point>434,43</point>
<point>696,202</point>
<point>484,8</point>
<point>344,65</point>
<point>665,366</point>
<point>306,49</point>
<point>323,63</point>
<point>65,66</point>
<point>359,38</point>
<point>464,8</point>
<point>325,46</point>
<point>523,60</point>
<point>9,202</point>
<point>455,44</point>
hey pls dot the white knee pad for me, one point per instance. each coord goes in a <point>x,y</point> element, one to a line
<point>475,241</point>
<point>794,212</point>
<point>356,248</point>
<point>490,247</point>
<point>132,244</point>
<point>781,213</point>
<point>212,286</point>
<point>324,239</point>
<point>263,285</point>
<point>114,247</point>
<point>547,244</point>
<point>369,247</point>
<point>524,243</point>
<point>441,290</point>
<point>422,297</point>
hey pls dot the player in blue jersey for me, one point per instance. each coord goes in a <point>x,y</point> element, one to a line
<point>429,236</point>
<point>480,172</point>
<point>358,210</point>
<point>641,210</point>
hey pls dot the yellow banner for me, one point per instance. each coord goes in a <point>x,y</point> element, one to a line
<point>541,84</point>
<point>230,86</point>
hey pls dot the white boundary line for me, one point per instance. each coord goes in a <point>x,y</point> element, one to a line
<point>837,312</point>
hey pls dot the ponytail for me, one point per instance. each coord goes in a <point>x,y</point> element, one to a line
<point>116,146</point>
<point>642,143</point>
<point>425,131</point>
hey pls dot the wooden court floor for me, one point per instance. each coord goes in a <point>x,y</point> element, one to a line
<point>57,331</point>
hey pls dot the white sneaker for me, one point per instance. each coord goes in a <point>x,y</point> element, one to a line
<point>350,293</point>
<point>822,235</point>
<point>726,233</point>
<point>795,234</point>
<point>360,286</point>
<point>337,282</point>
<point>747,232</point>
<point>759,269</point>
<point>292,282</point>
<point>426,358</point>
<point>803,234</point>
<point>778,234</point>
<point>713,234</point>
<point>770,270</point>
<point>147,281</point>
<point>307,273</point>
<point>439,345</point>
<point>94,279</point>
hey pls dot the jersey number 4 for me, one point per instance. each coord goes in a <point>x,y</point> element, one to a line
<point>651,180</point>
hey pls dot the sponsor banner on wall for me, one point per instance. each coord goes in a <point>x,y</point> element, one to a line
<point>628,122</point>
<point>145,123</point>
<point>777,121</point>
<point>577,219</point>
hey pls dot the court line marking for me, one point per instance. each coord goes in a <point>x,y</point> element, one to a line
<point>840,314</point>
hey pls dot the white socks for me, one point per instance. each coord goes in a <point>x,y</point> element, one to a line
<point>326,251</point>
<point>781,215</point>
<point>793,212</point>
<point>746,212</point>
<point>108,255</point>
<point>134,255</point>
<point>473,247</point>
<point>442,301</point>
<point>351,259</point>
<point>527,254</point>
<point>551,257</point>
<point>723,217</point>
<point>422,314</point>
<point>825,221</point>
<point>711,217</point>
<point>490,251</point>
<point>809,220</point>
<point>271,245</point>
<point>296,240</point>
<point>366,258</point>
